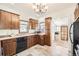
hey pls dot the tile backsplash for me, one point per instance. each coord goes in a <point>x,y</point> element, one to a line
<point>8,32</point>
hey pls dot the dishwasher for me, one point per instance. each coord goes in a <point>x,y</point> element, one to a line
<point>21,44</point>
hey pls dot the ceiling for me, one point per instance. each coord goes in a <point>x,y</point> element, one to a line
<point>27,9</point>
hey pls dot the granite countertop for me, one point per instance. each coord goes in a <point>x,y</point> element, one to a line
<point>20,35</point>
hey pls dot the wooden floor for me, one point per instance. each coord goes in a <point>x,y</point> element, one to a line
<point>36,50</point>
<point>57,49</point>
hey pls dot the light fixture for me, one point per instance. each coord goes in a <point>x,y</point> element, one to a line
<point>40,9</point>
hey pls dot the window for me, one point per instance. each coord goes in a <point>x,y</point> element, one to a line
<point>42,26</point>
<point>23,26</point>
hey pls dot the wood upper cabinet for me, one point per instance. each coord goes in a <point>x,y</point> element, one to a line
<point>15,21</point>
<point>33,23</point>
<point>8,20</point>
<point>9,47</point>
<point>5,20</point>
<point>2,19</point>
<point>48,23</point>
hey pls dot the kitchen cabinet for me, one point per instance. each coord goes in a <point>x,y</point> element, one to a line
<point>37,39</point>
<point>47,31</point>
<point>9,20</point>
<point>16,45</point>
<point>9,47</point>
<point>15,21</point>
<point>41,39</point>
<point>47,40</point>
<point>31,41</point>
<point>5,20</point>
<point>33,23</point>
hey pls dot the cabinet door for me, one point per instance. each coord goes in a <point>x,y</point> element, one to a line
<point>42,40</point>
<point>31,41</point>
<point>2,20</point>
<point>8,20</point>
<point>47,24</point>
<point>5,48</point>
<point>5,21</point>
<point>33,23</point>
<point>47,40</point>
<point>9,47</point>
<point>15,21</point>
<point>3,24</point>
<point>47,30</point>
<point>28,42</point>
<point>12,46</point>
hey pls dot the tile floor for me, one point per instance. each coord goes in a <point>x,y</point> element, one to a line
<point>57,49</point>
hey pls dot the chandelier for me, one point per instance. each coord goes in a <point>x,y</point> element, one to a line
<point>40,8</point>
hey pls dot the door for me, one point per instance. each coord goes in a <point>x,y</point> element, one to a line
<point>64,33</point>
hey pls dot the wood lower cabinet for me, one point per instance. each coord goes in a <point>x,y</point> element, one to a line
<point>32,40</point>
<point>9,47</point>
<point>38,39</point>
<point>47,40</point>
<point>41,39</point>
